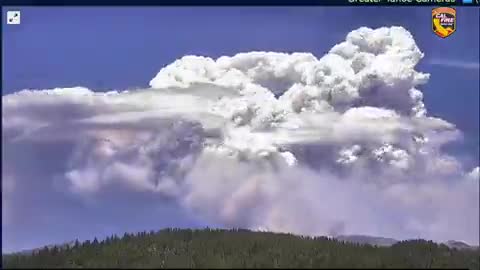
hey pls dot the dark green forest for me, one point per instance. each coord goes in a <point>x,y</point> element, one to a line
<point>208,248</point>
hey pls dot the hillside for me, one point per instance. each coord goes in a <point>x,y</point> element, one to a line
<point>362,239</point>
<point>241,249</point>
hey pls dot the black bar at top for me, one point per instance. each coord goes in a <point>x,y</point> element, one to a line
<point>383,3</point>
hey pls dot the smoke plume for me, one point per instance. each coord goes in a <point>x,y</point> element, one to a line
<point>341,144</point>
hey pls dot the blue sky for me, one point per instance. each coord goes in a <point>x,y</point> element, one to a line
<point>107,48</point>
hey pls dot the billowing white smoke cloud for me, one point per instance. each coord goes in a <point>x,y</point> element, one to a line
<point>286,142</point>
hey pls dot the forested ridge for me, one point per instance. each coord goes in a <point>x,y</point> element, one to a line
<point>208,248</point>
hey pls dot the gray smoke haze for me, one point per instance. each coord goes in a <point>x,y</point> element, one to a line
<point>342,144</point>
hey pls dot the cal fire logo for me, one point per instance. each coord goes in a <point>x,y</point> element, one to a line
<point>444,21</point>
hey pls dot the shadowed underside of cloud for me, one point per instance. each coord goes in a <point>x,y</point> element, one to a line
<point>286,142</point>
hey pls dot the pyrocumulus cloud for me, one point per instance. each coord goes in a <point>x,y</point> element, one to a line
<point>341,144</point>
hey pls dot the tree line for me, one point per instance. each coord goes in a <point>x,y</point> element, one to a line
<point>238,248</point>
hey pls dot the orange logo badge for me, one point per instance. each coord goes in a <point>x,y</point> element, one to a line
<point>444,21</point>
